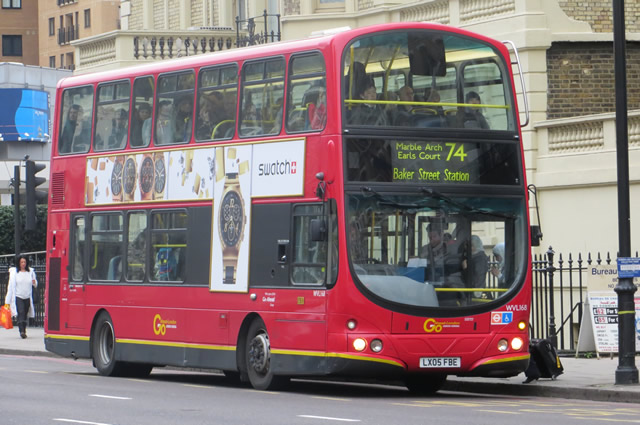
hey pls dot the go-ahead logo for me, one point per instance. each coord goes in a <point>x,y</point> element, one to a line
<point>432,325</point>
<point>160,325</point>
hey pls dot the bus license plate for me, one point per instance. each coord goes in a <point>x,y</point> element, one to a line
<point>439,362</point>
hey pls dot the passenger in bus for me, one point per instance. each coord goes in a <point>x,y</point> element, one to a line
<point>473,117</point>
<point>444,267</point>
<point>69,128</point>
<point>204,123</point>
<point>118,136</point>
<point>76,132</point>
<point>477,267</point>
<point>165,129</point>
<point>184,119</point>
<point>318,111</point>
<point>498,270</point>
<point>406,94</point>
<point>366,113</point>
<point>141,119</point>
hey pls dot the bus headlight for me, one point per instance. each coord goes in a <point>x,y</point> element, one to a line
<point>359,344</point>
<point>376,345</point>
<point>517,343</point>
<point>351,324</point>
<point>503,345</point>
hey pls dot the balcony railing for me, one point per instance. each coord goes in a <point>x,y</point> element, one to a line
<point>68,34</point>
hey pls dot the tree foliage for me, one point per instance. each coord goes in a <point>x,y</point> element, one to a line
<point>32,240</point>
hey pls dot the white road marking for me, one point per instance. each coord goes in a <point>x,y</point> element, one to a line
<point>78,422</point>
<point>109,396</point>
<point>326,418</point>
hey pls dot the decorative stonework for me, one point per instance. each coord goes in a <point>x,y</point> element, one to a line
<point>437,11</point>
<point>291,7</point>
<point>158,14</point>
<point>474,10</point>
<point>98,53</point>
<point>573,138</point>
<point>365,4</point>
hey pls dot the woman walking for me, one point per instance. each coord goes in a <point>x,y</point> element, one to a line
<point>22,281</point>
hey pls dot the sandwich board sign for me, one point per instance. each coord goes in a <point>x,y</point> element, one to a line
<point>599,324</point>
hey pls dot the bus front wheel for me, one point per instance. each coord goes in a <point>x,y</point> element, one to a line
<point>425,384</point>
<point>258,359</point>
<point>103,347</point>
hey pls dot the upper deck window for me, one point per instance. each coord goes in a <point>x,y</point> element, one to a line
<point>112,117</point>
<point>174,109</point>
<point>76,116</point>
<point>426,79</point>
<point>217,100</point>
<point>306,93</point>
<point>262,97</point>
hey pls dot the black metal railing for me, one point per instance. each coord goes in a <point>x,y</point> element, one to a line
<point>37,260</point>
<point>68,34</point>
<point>253,37</point>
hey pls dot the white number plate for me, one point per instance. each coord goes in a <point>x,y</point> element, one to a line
<point>439,362</point>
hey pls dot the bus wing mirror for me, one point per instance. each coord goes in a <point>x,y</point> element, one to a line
<point>536,235</point>
<point>318,230</point>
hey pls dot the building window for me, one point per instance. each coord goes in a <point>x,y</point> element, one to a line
<point>52,61</point>
<point>11,45</point>
<point>87,18</point>
<point>11,4</point>
<point>52,26</point>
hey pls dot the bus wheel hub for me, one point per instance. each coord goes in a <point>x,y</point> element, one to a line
<point>259,353</point>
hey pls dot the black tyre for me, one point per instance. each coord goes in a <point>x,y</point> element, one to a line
<point>137,370</point>
<point>258,359</point>
<point>425,384</point>
<point>103,348</point>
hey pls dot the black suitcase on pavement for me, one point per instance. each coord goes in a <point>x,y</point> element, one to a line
<point>544,361</point>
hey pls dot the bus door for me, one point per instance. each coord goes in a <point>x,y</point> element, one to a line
<point>73,286</point>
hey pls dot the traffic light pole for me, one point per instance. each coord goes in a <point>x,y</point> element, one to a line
<point>17,235</point>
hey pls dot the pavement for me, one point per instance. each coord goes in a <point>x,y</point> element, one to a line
<point>583,378</point>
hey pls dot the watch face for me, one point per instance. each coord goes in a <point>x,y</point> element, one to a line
<point>146,175</point>
<point>129,176</point>
<point>161,176</point>
<point>231,215</point>
<point>116,179</point>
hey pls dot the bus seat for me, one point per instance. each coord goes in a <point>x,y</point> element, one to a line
<point>115,268</point>
<point>165,264</point>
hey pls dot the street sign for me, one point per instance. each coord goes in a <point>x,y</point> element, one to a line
<point>628,267</point>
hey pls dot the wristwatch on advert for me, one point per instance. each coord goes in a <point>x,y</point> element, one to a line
<point>146,177</point>
<point>160,176</point>
<point>116,179</point>
<point>129,177</point>
<point>231,217</point>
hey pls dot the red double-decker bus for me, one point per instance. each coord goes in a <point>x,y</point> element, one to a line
<point>352,204</point>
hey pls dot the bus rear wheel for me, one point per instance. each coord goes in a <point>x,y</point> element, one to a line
<point>258,359</point>
<point>425,384</point>
<point>103,347</point>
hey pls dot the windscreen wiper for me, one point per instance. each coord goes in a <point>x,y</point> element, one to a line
<point>387,202</point>
<point>463,207</point>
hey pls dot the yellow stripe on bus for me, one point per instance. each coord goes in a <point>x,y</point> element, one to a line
<point>509,359</point>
